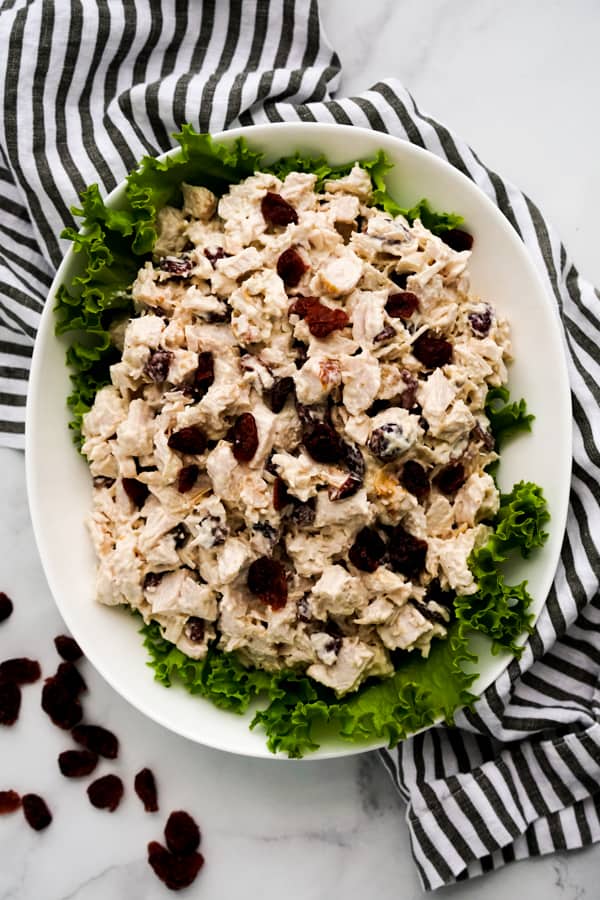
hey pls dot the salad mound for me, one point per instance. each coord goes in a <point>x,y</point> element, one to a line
<point>291,404</point>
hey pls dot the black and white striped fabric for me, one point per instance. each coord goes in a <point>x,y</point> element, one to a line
<point>89,88</point>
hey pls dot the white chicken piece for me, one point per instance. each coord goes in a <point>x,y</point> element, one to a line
<point>406,627</point>
<point>440,516</point>
<point>477,499</point>
<point>336,593</point>
<point>170,226</point>
<point>298,189</point>
<point>341,273</point>
<point>355,509</point>
<point>107,413</point>
<point>377,612</point>
<point>177,592</point>
<point>256,307</point>
<point>119,573</point>
<point>357,183</point>
<point>317,378</point>
<point>233,267</point>
<point>361,378</point>
<point>240,210</point>
<point>346,672</point>
<point>368,318</point>
<point>447,559</point>
<point>394,432</point>
<point>198,202</point>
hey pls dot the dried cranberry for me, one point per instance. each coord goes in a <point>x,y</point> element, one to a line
<point>303,611</point>
<point>406,552</point>
<point>106,792</point>
<point>399,279</point>
<point>277,211</point>
<point>136,490</point>
<point>449,479</point>
<point>157,367</point>
<point>323,442</point>
<point>36,812</point>
<point>432,615</point>
<point>436,594</point>
<point>145,787</point>
<point>355,461</point>
<point>302,306</point>
<point>182,835</point>
<point>481,322</point>
<point>402,305</point>
<point>387,441</point>
<point>324,320</point>
<point>186,478</point>
<point>409,394</point>
<point>179,267</point>
<point>266,579</point>
<point>291,267</point>
<point>153,579</point>
<point>282,388</point>
<point>213,255</point>
<point>71,679</point>
<point>10,801</point>
<point>301,350</point>
<point>431,350</point>
<point>281,496</point>
<point>97,739</point>
<point>77,763</point>
<point>195,629</point>
<point>457,239</point>
<point>68,648</point>
<point>351,485</point>
<point>485,438</point>
<point>204,375</point>
<point>303,514</point>
<point>6,606</point>
<point>386,334</point>
<point>190,440</point>
<point>99,481</point>
<point>10,703</point>
<point>59,703</point>
<point>176,872</point>
<point>244,435</point>
<point>20,670</point>
<point>367,551</point>
<point>414,479</point>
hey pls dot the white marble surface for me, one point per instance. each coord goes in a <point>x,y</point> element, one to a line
<point>518,84</point>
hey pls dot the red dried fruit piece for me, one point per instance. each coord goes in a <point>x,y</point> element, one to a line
<point>387,442</point>
<point>277,211</point>
<point>351,485</point>
<point>157,366</point>
<point>324,320</point>
<point>20,670</point>
<point>10,801</point>
<point>409,394</point>
<point>59,696</point>
<point>10,703</point>
<point>282,388</point>
<point>176,266</point>
<point>244,435</point>
<point>402,305</point>
<point>106,792</point>
<point>68,648</point>
<point>186,478</point>
<point>213,255</point>
<point>281,497</point>
<point>406,552</point>
<point>302,306</point>
<point>431,350</point>
<point>190,440</point>
<point>36,812</point>
<point>386,334</point>
<point>205,373</point>
<point>181,833</point>
<point>71,679</point>
<point>266,579</point>
<point>145,787</point>
<point>367,551</point>
<point>176,872</point>
<point>323,442</point>
<point>414,478</point>
<point>291,267</point>
<point>303,514</point>
<point>457,239</point>
<point>76,763</point>
<point>99,740</point>
<point>136,490</point>
<point>6,606</point>
<point>481,322</point>
<point>449,479</point>
<point>195,629</point>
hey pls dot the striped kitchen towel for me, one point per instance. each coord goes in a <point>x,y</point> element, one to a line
<point>89,88</point>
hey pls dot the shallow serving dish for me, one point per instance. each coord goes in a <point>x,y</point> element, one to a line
<point>59,484</point>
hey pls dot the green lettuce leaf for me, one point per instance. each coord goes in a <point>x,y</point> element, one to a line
<point>497,609</point>
<point>506,419</point>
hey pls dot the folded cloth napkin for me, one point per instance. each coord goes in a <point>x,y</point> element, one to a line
<point>88,89</point>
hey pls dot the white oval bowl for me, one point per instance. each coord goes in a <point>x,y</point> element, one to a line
<point>59,483</point>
